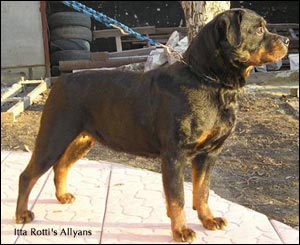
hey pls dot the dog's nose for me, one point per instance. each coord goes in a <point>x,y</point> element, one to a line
<point>286,41</point>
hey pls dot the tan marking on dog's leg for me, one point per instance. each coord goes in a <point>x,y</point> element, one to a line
<point>78,148</point>
<point>181,233</point>
<point>200,202</point>
<point>168,210</point>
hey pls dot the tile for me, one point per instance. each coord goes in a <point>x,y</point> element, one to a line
<point>136,213</point>
<point>11,168</point>
<point>79,222</point>
<point>131,203</point>
<point>4,154</point>
<point>287,234</point>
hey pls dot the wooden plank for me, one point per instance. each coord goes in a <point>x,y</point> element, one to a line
<point>161,36</point>
<point>283,25</point>
<point>160,40</point>
<point>14,90</point>
<point>129,58</point>
<point>99,55</point>
<point>70,65</point>
<point>18,108</point>
<point>116,32</point>
<point>106,33</point>
<point>169,30</point>
<point>48,81</point>
<point>20,66</point>
<point>145,29</point>
<point>15,110</point>
<point>293,34</point>
<point>154,37</point>
<point>14,99</point>
<point>132,52</point>
<point>274,30</point>
<point>17,88</point>
<point>118,43</point>
<point>38,90</point>
<point>30,81</point>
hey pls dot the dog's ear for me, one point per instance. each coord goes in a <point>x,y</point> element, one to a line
<point>231,27</point>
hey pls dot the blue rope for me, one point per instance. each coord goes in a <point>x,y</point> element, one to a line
<point>107,20</point>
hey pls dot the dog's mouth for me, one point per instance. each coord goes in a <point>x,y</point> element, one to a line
<point>279,49</point>
<point>268,54</point>
<point>271,52</point>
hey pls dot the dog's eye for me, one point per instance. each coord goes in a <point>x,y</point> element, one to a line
<point>260,30</point>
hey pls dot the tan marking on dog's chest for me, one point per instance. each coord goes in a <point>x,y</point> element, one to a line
<point>207,135</point>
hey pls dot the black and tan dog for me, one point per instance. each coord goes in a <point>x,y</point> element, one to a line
<point>182,112</point>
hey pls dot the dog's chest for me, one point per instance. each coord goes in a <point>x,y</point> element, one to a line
<point>211,126</point>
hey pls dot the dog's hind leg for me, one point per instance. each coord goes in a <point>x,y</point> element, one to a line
<point>202,166</point>
<point>76,150</point>
<point>60,125</point>
<point>45,155</point>
<point>27,180</point>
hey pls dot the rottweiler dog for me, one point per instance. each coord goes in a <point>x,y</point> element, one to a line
<point>183,112</point>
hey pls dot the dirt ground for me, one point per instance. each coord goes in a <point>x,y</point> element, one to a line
<point>258,168</point>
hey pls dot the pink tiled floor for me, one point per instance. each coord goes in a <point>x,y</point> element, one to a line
<point>117,204</point>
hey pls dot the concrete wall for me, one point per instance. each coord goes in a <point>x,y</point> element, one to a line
<point>21,37</point>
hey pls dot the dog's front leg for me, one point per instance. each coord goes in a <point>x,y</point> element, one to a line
<point>201,171</point>
<point>173,178</point>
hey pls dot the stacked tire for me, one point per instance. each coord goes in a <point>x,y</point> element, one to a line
<point>70,38</point>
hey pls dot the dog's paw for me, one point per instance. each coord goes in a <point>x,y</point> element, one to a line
<point>26,217</point>
<point>185,235</point>
<point>66,198</point>
<point>215,223</point>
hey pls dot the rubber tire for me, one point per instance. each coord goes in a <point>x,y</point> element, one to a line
<point>69,44</point>
<point>71,32</point>
<point>69,18</point>
<point>69,55</point>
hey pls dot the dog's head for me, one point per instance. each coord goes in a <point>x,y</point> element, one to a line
<point>247,39</point>
<point>233,43</point>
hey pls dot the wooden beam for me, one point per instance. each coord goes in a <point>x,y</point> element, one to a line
<point>14,90</point>
<point>14,99</point>
<point>11,113</point>
<point>99,56</point>
<point>293,34</point>
<point>20,66</point>
<point>283,25</point>
<point>70,65</point>
<point>116,32</point>
<point>132,52</point>
<point>30,82</point>
<point>169,30</point>
<point>118,44</point>
<point>17,88</point>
